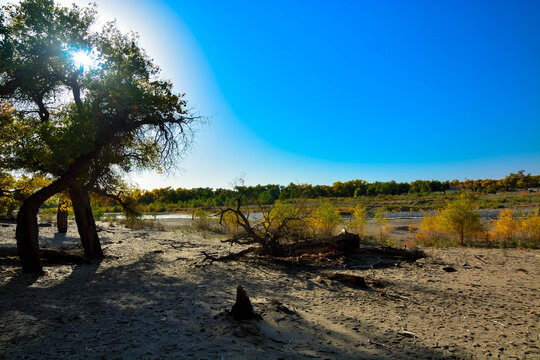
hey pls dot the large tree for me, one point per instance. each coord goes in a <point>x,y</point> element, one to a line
<point>76,123</point>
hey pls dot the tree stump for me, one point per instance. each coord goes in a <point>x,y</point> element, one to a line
<point>62,218</point>
<point>242,308</point>
<point>348,279</point>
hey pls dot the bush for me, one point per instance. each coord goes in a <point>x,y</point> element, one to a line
<point>325,219</point>
<point>512,231</point>
<point>460,219</point>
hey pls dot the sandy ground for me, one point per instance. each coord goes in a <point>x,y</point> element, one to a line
<point>149,300</point>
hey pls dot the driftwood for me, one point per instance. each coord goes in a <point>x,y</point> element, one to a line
<point>242,308</point>
<point>49,255</point>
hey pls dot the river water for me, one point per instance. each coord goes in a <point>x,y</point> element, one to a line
<point>486,214</point>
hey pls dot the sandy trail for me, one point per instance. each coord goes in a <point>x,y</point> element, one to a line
<point>148,300</point>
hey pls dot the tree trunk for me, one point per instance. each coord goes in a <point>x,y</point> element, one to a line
<point>85,222</point>
<point>62,218</point>
<point>27,225</point>
<point>27,236</point>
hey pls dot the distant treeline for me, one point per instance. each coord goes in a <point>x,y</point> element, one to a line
<point>162,199</point>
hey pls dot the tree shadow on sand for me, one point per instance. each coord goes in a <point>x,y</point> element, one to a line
<point>159,308</point>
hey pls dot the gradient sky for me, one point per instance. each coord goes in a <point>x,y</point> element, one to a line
<point>321,91</point>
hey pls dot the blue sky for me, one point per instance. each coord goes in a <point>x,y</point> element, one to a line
<point>321,91</point>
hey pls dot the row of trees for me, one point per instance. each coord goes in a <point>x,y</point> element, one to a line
<point>82,128</point>
<point>158,199</point>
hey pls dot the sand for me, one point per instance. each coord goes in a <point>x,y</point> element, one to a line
<point>149,299</point>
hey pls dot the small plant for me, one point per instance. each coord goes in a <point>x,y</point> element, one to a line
<point>358,225</point>
<point>202,220</point>
<point>381,219</point>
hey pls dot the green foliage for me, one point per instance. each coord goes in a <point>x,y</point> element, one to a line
<point>104,121</point>
<point>97,213</point>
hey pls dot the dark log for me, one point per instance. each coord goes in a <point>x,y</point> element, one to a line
<point>8,219</point>
<point>232,256</point>
<point>242,308</point>
<point>342,242</point>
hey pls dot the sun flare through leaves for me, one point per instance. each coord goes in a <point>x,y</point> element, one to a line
<point>84,59</point>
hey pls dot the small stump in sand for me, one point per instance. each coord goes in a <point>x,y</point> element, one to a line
<point>348,279</point>
<point>242,308</point>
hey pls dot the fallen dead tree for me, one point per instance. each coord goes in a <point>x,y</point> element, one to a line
<point>48,255</point>
<point>285,238</point>
<point>282,237</point>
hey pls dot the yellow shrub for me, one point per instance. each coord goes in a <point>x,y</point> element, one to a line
<point>283,215</point>
<point>430,230</point>
<point>506,226</point>
<point>531,226</point>
<point>230,224</point>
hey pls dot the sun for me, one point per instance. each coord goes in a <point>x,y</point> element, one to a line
<point>84,59</point>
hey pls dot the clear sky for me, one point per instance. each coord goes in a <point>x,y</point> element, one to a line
<point>319,91</point>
